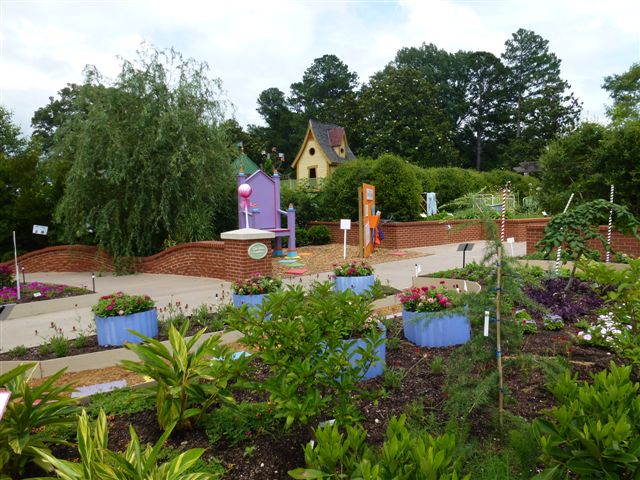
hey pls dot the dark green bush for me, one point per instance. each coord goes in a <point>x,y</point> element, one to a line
<point>318,235</point>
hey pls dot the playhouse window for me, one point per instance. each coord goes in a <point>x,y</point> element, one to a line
<point>312,173</point>
<point>312,151</point>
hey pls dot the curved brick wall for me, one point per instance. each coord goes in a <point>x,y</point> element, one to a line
<point>65,258</point>
<point>197,259</point>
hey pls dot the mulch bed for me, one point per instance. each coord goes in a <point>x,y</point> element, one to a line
<point>273,454</point>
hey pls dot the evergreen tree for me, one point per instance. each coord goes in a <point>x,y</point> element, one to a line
<point>541,105</point>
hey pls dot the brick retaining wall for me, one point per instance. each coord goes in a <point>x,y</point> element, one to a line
<point>619,242</point>
<point>225,260</point>
<point>428,233</point>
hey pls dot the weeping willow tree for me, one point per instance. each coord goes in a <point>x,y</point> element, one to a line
<point>150,160</point>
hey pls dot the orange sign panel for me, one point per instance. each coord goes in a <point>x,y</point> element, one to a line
<point>369,219</point>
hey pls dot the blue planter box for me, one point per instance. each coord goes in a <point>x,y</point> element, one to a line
<point>377,368</point>
<point>436,329</point>
<point>114,331</point>
<point>358,284</point>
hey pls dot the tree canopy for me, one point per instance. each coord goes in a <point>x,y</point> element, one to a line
<point>150,161</point>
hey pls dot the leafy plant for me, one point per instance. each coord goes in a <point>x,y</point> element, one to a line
<point>18,351</point>
<point>307,346</point>
<point>134,463</point>
<point>6,276</point>
<point>573,229</point>
<point>188,381</point>
<point>437,365</point>
<point>393,377</point>
<point>120,303</point>
<point>123,401</point>
<point>595,430</point>
<point>552,322</point>
<point>529,326</point>
<point>403,455</point>
<point>238,423</point>
<point>318,235</point>
<point>29,416</point>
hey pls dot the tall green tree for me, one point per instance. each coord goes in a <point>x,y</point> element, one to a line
<point>588,161</point>
<point>624,89</point>
<point>323,85</point>
<point>541,106</point>
<point>284,128</point>
<point>150,161</point>
<point>25,193</point>
<point>398,114</point>
<point>485,95</point>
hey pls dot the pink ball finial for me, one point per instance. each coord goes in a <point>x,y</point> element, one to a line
<point>245,190</point>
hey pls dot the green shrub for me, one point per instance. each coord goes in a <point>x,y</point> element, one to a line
<point>398,191</point>
<point>304,345</point>
<point>238,423</point>
<point>188,382</point>
<point>29,416</point>
<point>403,455</point>
<point>318,235</point>
<point>594,432</point>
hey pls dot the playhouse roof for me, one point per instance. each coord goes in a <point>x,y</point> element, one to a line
<point>244,162</point>
<point>328,136</point>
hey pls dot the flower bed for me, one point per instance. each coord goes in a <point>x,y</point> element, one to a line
<point>38,291</point>
<point>252,291</point>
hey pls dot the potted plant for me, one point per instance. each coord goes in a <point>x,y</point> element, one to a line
<point>362,335</point>
<point>353,276</point>
<point>253,290</point>
<point>117,313</point>
<point>430,319</point>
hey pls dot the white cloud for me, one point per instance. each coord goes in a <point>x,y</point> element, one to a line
<point>254,45</point>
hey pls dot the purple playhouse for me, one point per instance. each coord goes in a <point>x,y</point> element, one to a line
<point>264,211</point>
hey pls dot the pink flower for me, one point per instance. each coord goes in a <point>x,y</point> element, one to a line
<point>109,307</point>
<point>121,312</point>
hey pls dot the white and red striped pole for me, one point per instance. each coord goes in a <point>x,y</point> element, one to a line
<point>607,257</point>
<point>504,214</point>
<point>559,252</point>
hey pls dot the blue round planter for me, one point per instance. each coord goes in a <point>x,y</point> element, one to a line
<point>358,284</point>
<point>436,329</point>
<point>250,300</point>
<point>377,368</point>
<point>114,331</point>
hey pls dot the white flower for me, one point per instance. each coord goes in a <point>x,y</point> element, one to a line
<point>587,337</point>
<point>580,333</point>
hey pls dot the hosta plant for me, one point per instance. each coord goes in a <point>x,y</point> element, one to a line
<point>403,455</point>
<point>136,462</point>
<point>189,378</point>
<point>29,415</point>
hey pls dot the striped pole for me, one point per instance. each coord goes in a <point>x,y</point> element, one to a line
<point>504,214</point>
<point>560,246</point>
<point>607,257</point>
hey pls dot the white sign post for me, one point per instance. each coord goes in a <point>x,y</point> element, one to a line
<point>345,224</point>
<point>511,241</point>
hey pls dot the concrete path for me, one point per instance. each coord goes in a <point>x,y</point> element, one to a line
<point>23,323</point>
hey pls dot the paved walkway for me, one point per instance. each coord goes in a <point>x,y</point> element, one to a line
<point>166,290</point>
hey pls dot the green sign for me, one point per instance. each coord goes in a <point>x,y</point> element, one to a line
<point>258,251</point>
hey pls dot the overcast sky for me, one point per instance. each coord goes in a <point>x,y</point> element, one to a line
<point>254,45</point>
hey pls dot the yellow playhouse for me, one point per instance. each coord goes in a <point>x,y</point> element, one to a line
<point>323,149</point>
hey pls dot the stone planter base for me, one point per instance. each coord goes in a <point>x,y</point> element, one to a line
<point>358,284</point>
<point>436,329</point>
<point>114,331</point>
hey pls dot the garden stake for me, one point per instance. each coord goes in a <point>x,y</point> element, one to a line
<point>560,246</point>
<point>607,257</point>
<point>498,292</point>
